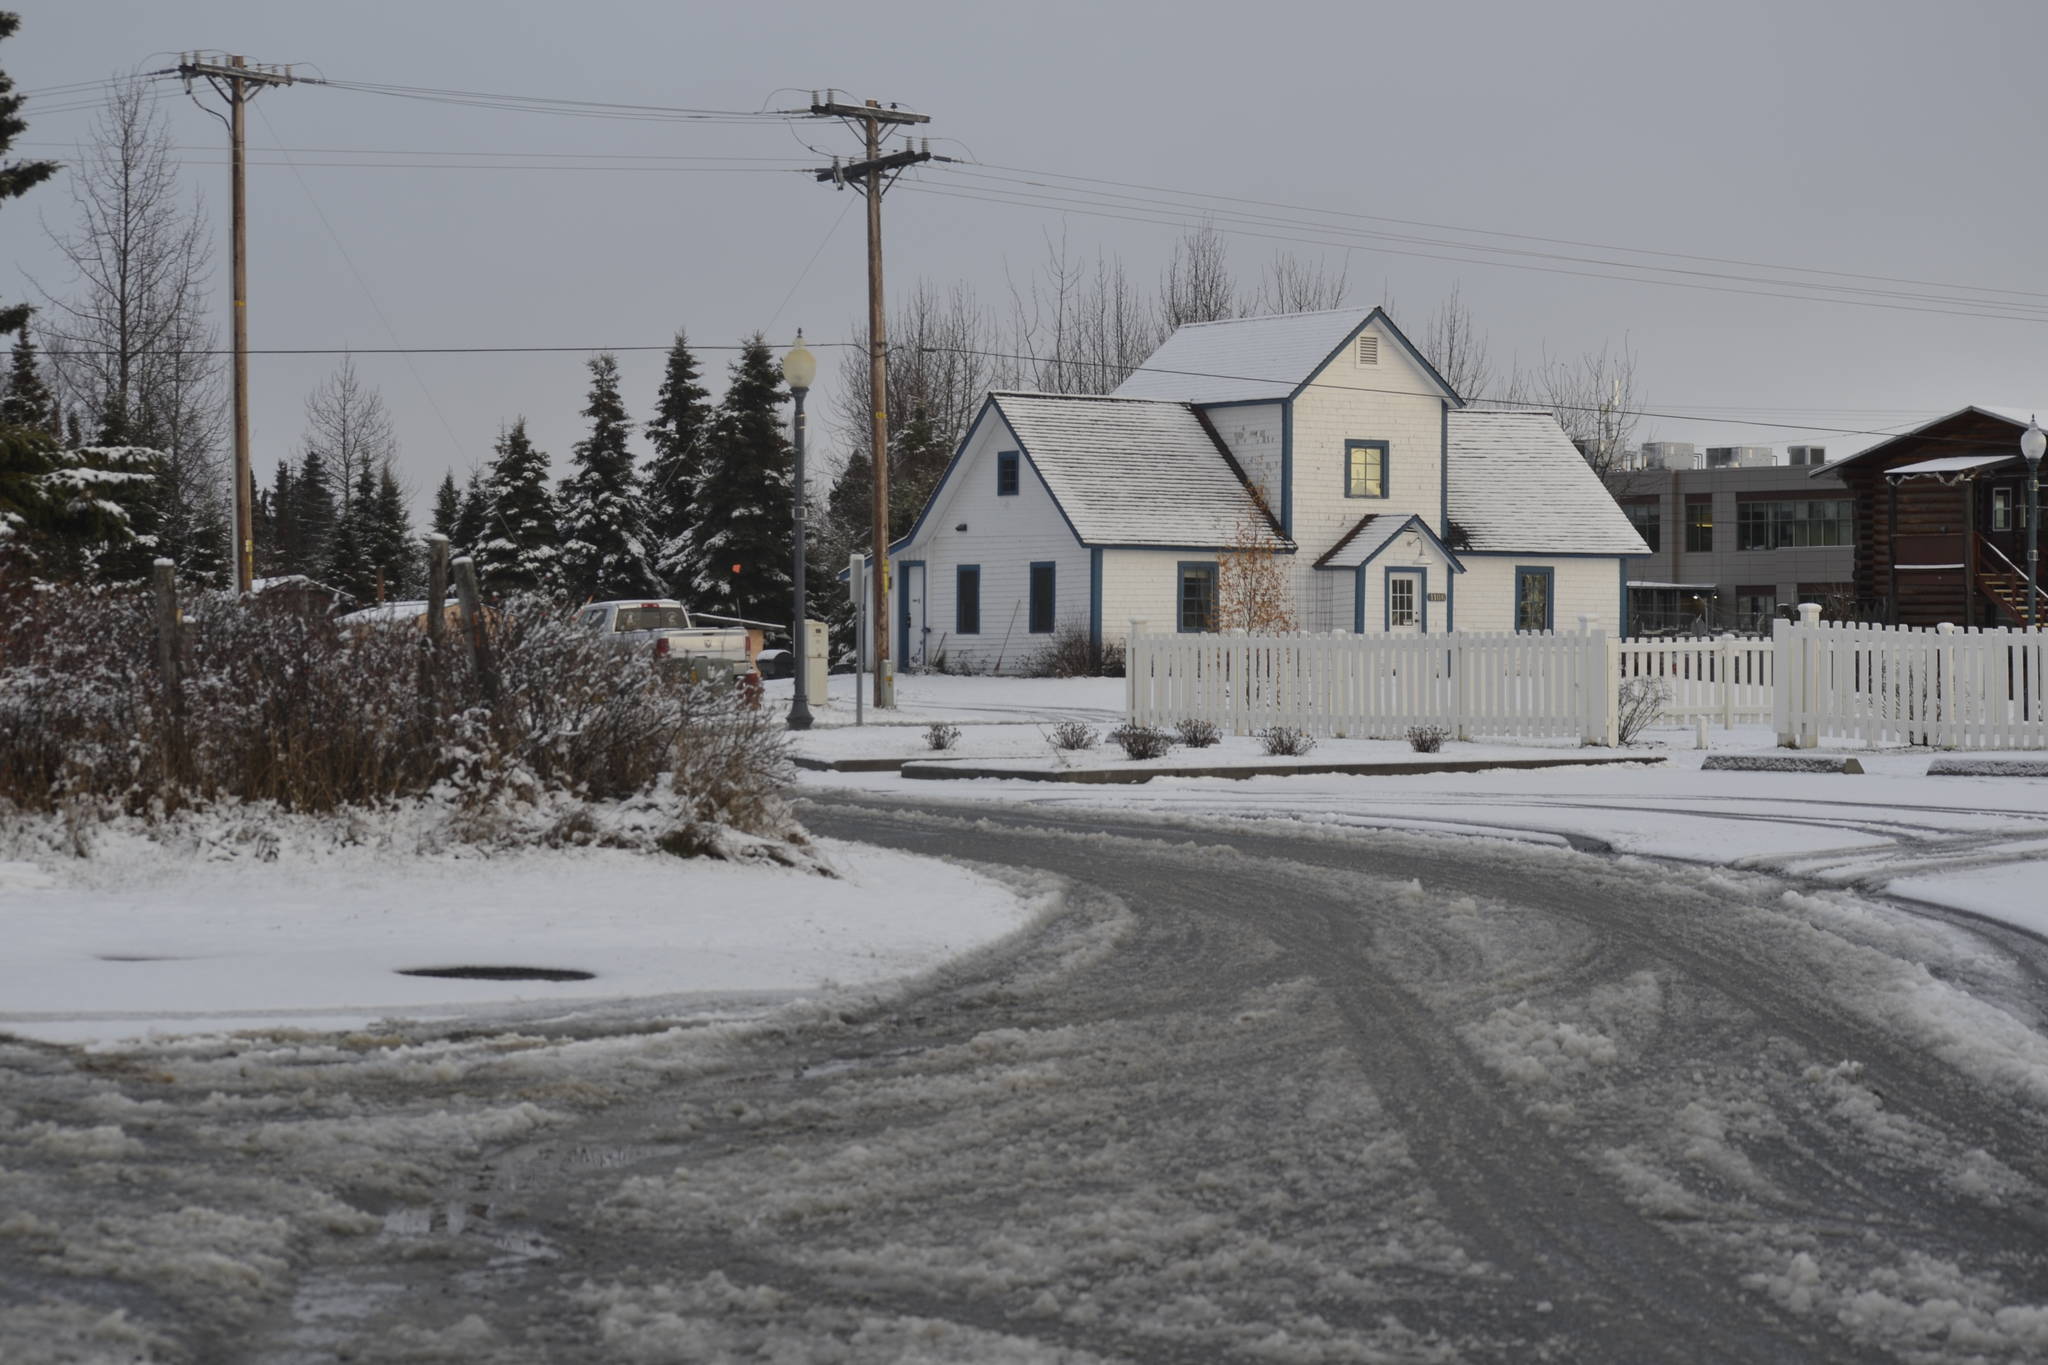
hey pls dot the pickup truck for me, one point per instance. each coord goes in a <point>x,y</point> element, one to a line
<point>663,626</point>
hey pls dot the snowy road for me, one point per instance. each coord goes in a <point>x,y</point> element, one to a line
<point>1266,1095</point>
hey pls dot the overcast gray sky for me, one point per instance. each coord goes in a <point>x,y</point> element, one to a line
<point>1879,137</point>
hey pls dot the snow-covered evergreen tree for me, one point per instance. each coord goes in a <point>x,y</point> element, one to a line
<point>471,517</point>
<point>312,518</point>
<point>29,402</point>
<point>604,522</point>
<point>391,545</point>
<point>277,539</point>
<point>103,526</point>
<point>683,415</point>
<point>447,507</point>
<point>520,550</point>
<point>744,524</point>
<point>349,565</point>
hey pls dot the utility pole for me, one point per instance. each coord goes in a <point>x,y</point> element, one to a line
<point>867,177</point>
<point>236,82</point>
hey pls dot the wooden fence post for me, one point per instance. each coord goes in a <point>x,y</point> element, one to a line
<point>437,589</point>
<point>473,627</point>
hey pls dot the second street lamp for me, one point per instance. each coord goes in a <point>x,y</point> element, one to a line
<point>2031,446</point>
<point>799,368</point>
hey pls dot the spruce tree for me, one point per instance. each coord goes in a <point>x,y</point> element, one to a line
<point>472,517</point>
<point>918,455</point>
<point>283,543</point>
<point>391,545</point>
<point>349,564</point>
<point>29,402</point>
<point>26,512</point>
<point>604,522</point>
<point>312,517</point>
<point>447,507</point>
<point>16,177</point>
<point>744,527</point>
<point>521,552</point>
<point>104,526</point>
<point>682,418</point>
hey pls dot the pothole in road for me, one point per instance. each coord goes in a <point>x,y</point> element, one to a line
<point>500,973</point>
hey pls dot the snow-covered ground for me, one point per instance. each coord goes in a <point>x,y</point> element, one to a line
<point>144,939</point>
<point>1976,844</point>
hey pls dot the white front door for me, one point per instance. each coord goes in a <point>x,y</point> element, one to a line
<point>1404,601</point>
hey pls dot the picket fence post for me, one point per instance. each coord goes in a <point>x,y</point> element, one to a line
<point>1134,659</point>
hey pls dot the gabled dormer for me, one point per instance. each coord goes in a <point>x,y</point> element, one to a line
<point>1322,410</point>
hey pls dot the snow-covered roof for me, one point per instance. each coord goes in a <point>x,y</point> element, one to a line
<point>1948,464</point>
<point>386,611</point>
<point>1517,483</point>
<point>1131,472</point>
<point>1242,358</point>
<point>1372,533</point>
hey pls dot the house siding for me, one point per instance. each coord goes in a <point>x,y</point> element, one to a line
<point>1254,435</point>
<point>1143,584</point>
<point>1588,586</point>
<point>1006,534</point>
<point>1344,404</point>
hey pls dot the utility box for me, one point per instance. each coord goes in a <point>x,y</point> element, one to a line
<point>816,665</point>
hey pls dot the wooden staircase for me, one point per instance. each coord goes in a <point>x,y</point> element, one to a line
<point>2005,584</point>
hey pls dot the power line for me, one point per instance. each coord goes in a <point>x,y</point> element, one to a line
<point>1521,236</point>
<point>1193,221</point>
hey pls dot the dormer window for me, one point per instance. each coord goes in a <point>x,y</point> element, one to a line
<point>1365,469</point>
<point>1368,349</point>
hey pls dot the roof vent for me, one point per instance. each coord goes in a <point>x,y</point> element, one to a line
<point>1368,349</point>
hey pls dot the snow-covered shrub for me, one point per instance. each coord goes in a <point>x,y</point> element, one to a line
<point>940,735</point>
<point>1638,704</point>
<point>1071,735</point>
<point>284,706</point>
<point>1198,734</point>
<point>1141,741</point>
<point>1427,739</point>
<point>1286,741</point>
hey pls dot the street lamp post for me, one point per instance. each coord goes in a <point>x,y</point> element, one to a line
<point>799,368</point>
<point>2032,445</point>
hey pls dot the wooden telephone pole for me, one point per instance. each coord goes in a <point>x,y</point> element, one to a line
<point>236,82</point>
<point>867,177</point>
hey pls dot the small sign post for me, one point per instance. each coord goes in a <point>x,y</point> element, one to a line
<point>856,584</point>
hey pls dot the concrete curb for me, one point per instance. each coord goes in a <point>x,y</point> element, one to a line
<point>952,770</point>
<point>1988,767</point>
<point>1779,763</point>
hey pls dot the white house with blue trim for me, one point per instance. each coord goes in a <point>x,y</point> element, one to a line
<point>1326,437</point>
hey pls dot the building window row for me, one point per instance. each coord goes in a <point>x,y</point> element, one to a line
<point>1792,523</point>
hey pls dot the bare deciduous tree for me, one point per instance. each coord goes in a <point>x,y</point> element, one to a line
<point>1197,285</point>
<point>129,342</point>
<point>1457,348</point>
<point>1594,399</point>
<point>1252,592</point>
<point>348,430</point>
<point>1293,285</point>
<point>1078,329</point>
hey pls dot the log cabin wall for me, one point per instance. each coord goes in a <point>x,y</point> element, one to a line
<point>1932,520</point>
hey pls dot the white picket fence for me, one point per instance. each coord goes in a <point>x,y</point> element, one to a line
<point>1376,687</point>
<point>1726,681</point>
<point>1974,689</point>
<point>1946,688</point>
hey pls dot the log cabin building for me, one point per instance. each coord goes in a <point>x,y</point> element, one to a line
<point>1941,522</point>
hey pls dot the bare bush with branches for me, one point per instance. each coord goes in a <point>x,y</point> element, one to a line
<point>1141,741</point>
<point>1638,704</point>
<point>1198,734</point>
<point>1286,741</point>
<point>289,708</point>
<point>1071,735</point>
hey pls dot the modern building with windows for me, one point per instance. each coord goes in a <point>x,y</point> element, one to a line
<point>1734,545</point>
<point>1324,440</point>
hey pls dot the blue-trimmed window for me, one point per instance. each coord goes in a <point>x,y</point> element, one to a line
<point>1365,469</point>
<point>1196,597</point>
<point>1043,574</point>
<point>967,599</point>
<point>1535,598</point>
<point>1006,473</point>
